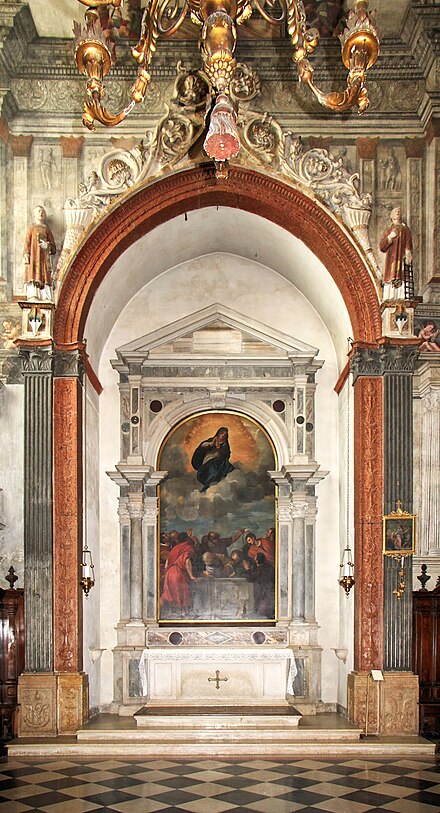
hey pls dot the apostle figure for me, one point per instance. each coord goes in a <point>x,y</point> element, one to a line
<point>179,575</point>
<point>211,459</point>
<point>39,245</point>
<point>396,243</point>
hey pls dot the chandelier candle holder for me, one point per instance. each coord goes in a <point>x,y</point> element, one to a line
<point>87,580</point>
<point>218,19</point>
<point>347,570</point>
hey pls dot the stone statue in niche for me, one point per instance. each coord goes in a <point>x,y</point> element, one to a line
<point>396,244</point>
<point>39,246</point>
<point>392,176</point>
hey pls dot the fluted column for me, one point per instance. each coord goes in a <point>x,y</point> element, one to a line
<point>135,508</point>
<point>398,364</point>
<point>299,509</point>
<point>37,366</point>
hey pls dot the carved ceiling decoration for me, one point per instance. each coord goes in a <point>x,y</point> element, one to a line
<point>175,144</point>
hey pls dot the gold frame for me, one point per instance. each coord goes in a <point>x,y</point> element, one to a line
<point>209,622</point>
<point>398,517</point>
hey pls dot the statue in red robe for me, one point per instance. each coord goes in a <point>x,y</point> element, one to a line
<point>39,245</point>
<point>396,244</point>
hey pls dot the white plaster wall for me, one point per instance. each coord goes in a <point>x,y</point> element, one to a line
<point>265,295</point>
<point>215,232</point>
<point>11,481</point>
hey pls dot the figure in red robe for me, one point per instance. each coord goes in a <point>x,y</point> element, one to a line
<point>39,245</point>
<point>265,545</point>
<point>179,574</point>
<point>396,244</point>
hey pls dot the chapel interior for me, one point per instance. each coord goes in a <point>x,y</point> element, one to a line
<point>200,345</point>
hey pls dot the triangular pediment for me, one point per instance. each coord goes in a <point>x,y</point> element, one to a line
<point>215,332</point>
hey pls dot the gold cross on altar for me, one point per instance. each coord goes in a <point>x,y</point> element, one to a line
<point>217,679</point>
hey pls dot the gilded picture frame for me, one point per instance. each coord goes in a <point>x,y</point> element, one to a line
<point>399,533</point>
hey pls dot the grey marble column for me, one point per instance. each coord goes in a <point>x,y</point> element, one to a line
<point>309,565</point>
<point>136,511</point>
<point>37,368</point>
<point>398,364</point>
<point>124,531</point>
<point>299,510</point>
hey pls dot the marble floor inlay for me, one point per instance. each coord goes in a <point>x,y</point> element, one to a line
<point>220,785</point>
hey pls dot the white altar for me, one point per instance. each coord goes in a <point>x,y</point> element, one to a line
<point>209,676</point>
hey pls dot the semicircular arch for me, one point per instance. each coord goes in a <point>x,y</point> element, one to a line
<point>156,203</point>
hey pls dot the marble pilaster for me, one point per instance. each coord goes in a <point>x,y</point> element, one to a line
<point>299,509</point>
<point>135,507</point>
<point>37,368</point>
<point>309,564</point>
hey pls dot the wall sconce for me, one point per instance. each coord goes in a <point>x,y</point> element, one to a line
<point>87,571</point>
<point>347,570</point>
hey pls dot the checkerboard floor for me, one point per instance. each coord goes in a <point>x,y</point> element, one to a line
<point>220,785</point>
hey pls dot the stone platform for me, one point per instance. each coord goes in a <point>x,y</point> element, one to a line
<point>224,734</point>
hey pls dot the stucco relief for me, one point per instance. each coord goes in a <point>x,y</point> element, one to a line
<point>173,145</point>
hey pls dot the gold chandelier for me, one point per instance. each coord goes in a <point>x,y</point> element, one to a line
<point>218,20</point>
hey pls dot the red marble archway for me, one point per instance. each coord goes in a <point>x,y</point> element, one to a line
<point>136,215</point>
<point>197,188</point>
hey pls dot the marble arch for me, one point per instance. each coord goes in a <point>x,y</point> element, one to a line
<point>139,212</point>
<point>142,210</point>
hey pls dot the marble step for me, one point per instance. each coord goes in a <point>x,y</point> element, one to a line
<point>181,734</point>
<point>374,748</point>
<point>218,718</point>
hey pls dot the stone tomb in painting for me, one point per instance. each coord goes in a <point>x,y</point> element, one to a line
<point>178,386</point>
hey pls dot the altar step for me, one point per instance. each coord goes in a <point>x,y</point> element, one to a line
<point>325,735</point>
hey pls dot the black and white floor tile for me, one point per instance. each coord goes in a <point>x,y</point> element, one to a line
<point>220,785</point>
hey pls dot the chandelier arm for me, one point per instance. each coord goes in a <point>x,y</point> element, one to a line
<point>94,111</point>
<point>96,3</point>
<point>270,18</point>
<point>355,94</point>
<point>170,9</point>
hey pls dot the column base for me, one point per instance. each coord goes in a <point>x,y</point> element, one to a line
<point>397,699</point>
<point>51,704</point>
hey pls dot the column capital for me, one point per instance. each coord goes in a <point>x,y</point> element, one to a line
<point>135,506</point>
<point>21,145</point>
<point>36,360</point>
<point>69,364</point>
<point>367,147</point>
<point>71,146</point>
<point>298,508</point>
<point>431,401</point>
<point>387,358</point>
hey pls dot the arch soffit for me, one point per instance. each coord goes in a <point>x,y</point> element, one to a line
<point>158,202</point>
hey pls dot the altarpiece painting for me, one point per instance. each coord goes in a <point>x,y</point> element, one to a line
<point>217,521</point>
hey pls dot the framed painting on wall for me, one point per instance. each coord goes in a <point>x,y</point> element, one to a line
<point>399,533</point>
<point>217,520</point>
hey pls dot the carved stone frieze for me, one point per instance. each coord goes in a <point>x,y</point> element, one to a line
<point>69,364</point>
<point>174,144</point>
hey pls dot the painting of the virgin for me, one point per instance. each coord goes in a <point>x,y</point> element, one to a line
<point>217,540</point>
